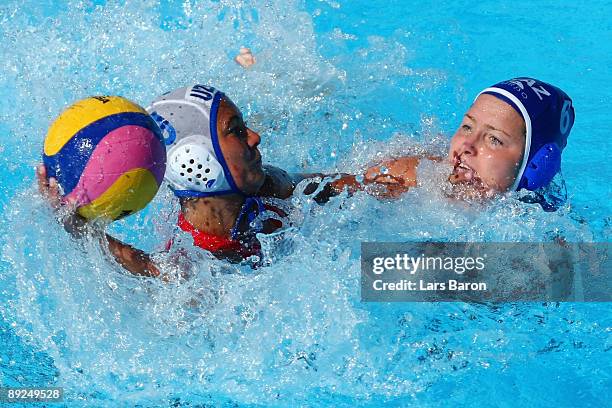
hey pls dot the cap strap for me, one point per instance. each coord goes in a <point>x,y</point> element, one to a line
<point>248,211</point>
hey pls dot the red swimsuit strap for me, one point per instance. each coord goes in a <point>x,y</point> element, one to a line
<point>215,243</point>
<point>218,243</point>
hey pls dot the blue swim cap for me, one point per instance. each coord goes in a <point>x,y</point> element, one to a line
<point>549,115</point>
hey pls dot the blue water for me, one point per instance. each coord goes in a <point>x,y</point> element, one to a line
<point>338,84</point>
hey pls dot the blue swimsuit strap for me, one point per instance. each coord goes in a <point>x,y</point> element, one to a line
<point>250,211</point>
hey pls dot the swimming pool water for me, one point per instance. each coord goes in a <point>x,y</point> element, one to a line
<point>337,84</point>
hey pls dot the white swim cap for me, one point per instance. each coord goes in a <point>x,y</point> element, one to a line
<point>188,120</point>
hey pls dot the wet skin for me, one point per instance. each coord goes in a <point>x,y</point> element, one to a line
<point>239,146</point>
<point>485,154</point>
<point>487,148</point>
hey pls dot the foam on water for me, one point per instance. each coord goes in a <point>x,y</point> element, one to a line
<point>293,332</point>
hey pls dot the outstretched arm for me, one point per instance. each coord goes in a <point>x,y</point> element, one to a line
<point>389,179</point>
<point>280,184</point>
<point>132,259</point>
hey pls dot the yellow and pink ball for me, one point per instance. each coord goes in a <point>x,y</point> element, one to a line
<point>108,156</point>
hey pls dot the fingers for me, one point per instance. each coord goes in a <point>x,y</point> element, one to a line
<point>53,193</point>
<point>389,188</point>
<point>48,188</point>
<point>388,179</point>
<point>41,177</point>
<point>245,58</point>
<point>66,209</point>
<point>371,173</point>
<point>396,191</point>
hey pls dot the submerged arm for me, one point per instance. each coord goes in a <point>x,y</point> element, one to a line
<point>134,260</point>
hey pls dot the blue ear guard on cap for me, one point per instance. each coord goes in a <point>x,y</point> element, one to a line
<point>549,116</point>
<point>542,167</point>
